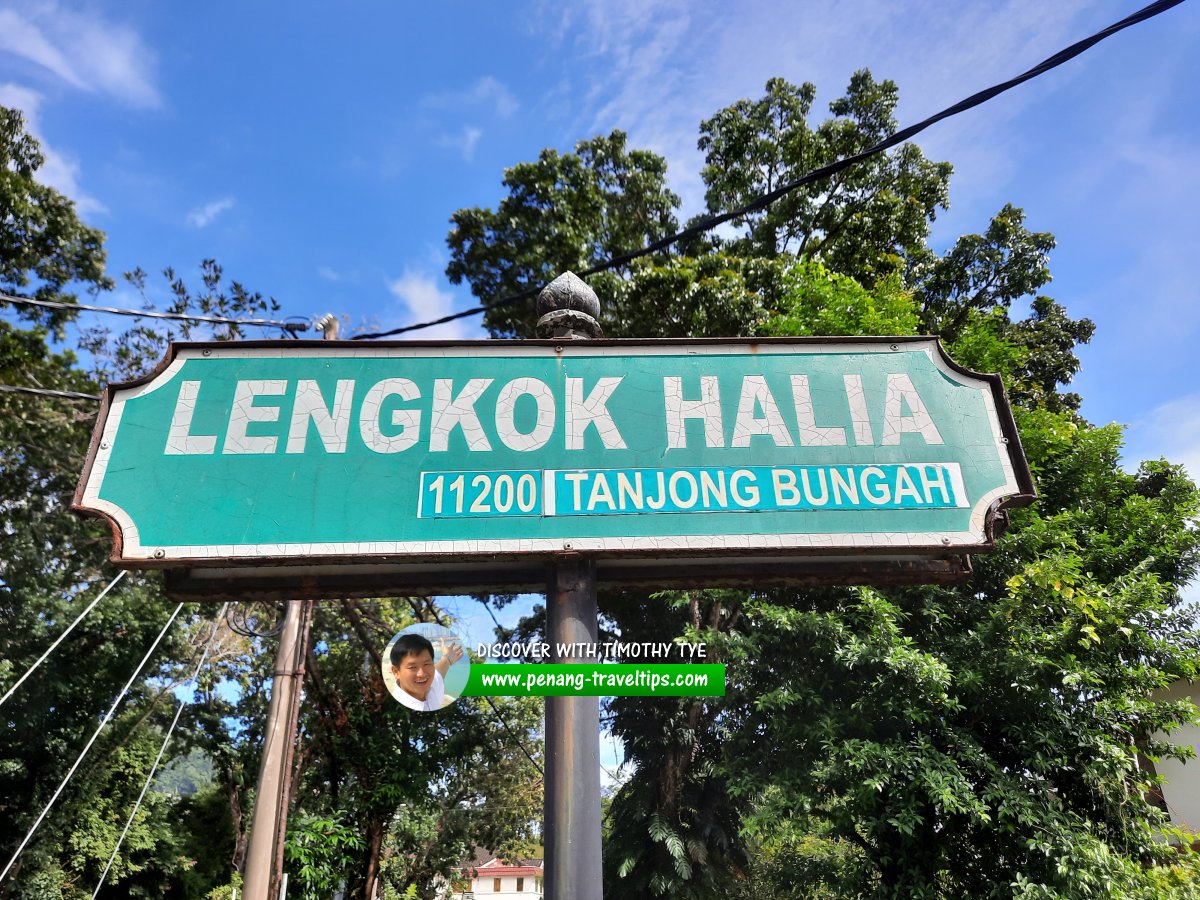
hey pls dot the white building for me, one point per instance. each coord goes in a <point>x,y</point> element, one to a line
<point>492,878</point>
<point>1181,780</point>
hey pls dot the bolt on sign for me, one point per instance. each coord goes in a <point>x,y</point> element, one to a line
<point>343,468</point>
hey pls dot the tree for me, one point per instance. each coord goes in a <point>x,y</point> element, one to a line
<point>929,741</point>
<point>923,742</point>
<point>54,563</point>
<point>50,559</point>
<point>563,212</point>
<point>385,799</point>
<point>867,221</point>
<point>43,244</point>
<point>416,792</point>
<point>1007,715</point>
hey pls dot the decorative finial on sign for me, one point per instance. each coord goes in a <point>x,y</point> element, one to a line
<point>568,309</point>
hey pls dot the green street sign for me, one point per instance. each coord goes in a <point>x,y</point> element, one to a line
<point>432,465</point>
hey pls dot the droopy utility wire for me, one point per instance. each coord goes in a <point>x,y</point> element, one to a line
<point>108,715</point>
<point>759,203</point>
<point>46,392</point>
<point>496,711</point>
<point>112,584</point>
<point>161,750</point>
<point>155,314</point>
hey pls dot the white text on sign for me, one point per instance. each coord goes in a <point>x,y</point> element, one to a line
<point>392,414</point>
<point>582,492</point>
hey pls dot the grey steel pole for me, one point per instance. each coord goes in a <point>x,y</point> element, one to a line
<point>260,854</point>
<point>572,813</point>
<point>571,824</point>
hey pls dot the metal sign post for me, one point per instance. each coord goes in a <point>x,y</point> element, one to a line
<point>571,823</point>
<point>572,819</point>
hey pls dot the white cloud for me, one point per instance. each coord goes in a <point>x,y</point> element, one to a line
<point>465,142</point>
<point>203,216</point>
<point>58,170</point>
<point>485,96</point>
<point>328,274</point>
<point>20,36</point>
<point>425,300</point>
<point>29,102</point>
<point>1171,430</point>
<point>82,49</point>
<point>487,92</point>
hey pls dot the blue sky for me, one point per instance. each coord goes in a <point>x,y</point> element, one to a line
<point>318,151</point>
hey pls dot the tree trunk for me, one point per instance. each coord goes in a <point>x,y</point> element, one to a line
<point>374,847</point>
<point>239,831</point>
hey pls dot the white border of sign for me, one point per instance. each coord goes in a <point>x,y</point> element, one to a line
<point>129,550</point>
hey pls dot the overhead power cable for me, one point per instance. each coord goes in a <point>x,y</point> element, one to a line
<point>161,750</point>
<point>41,659</point>
<point>107,716</point>
<point>155,314</point>
<point>46,392</point>
<point>759,203</point>
<point>516,738</point>
<point>496,710</point>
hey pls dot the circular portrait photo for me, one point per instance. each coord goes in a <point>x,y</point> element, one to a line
<point>425,667</point>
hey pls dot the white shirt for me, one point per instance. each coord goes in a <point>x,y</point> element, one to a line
<point>433,700</point>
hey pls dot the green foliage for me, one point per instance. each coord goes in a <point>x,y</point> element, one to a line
<point>229,891</point>
<point>977,742</point>
<point>797,857</point>
<point>817,301</point>
<point>319,854</point>
<point>983,272</point>
<point>206,840</point>
<point>185,775</point>
<point>868,221</point>
<point>706,296</point>
<point>127,354</point>
<point>52,565</point>
<point>673,824</point>
<point>563,212</point>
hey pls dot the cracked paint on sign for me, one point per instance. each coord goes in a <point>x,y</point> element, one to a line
<point>350,451</point>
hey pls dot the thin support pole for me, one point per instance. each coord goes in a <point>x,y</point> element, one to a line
<point>268,827</point>
<point>279,877</point>
<point>268,831</point>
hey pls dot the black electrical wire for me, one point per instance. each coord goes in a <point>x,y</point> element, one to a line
<point>516,738</point>
<point>154,314</point>
<point>495,709</point>
<point>711,222</point>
